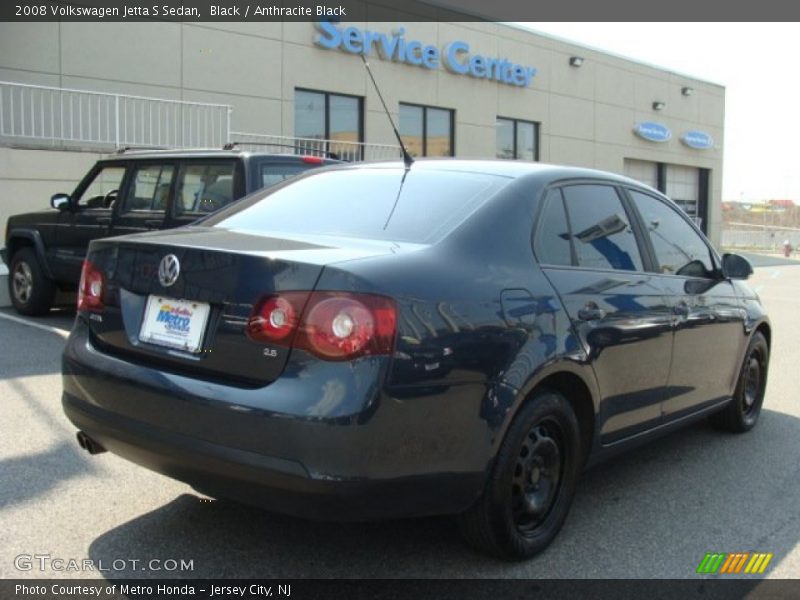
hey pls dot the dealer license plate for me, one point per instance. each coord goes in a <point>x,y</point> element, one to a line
<point>174,323</point>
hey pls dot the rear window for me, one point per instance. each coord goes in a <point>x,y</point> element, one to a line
<point>367,203</point>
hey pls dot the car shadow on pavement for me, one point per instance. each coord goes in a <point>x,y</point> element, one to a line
<point>27,351</point>
<point>653,512</point>
<point>52,467</point>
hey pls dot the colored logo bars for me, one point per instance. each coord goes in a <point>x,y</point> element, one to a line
<point>734,562</point>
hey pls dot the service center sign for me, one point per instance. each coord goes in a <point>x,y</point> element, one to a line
<point>455,56</point>
<point>653,132</point>
<point>699,140</point>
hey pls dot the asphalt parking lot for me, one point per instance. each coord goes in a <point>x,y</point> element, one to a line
<point>652,513</point>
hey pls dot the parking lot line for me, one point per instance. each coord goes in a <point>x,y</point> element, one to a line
<point>62,332</point>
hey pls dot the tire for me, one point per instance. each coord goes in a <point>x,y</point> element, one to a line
<point>742,413</point>
<point>531,485</point>
<point>30,290</point>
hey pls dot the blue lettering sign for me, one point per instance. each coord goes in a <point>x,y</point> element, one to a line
<point>328,37</point>
<point>653,132</point>
<point>451,60</point>
<point>455,56</point>
<point>699,140</point>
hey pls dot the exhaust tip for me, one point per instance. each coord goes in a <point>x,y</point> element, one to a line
<point>88,444</point>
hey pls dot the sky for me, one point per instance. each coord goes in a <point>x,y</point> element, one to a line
<point>756,64</point>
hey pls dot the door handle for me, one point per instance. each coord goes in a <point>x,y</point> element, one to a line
<point>591,312</point>
<point>154,223</point>
<point>681,309</point>
<point>103,220</point>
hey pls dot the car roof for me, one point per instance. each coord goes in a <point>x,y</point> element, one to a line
<point>512,169</point>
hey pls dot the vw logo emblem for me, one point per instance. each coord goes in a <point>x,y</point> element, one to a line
<point>168,270</point>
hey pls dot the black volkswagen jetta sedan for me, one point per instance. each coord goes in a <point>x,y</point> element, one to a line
<point>377,341</point>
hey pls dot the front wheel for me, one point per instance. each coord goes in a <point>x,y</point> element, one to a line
<point>743,411</point>
<point>31,291</point>
<point>530,488</point>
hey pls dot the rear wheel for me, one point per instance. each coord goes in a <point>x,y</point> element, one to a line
<point>742,413</point>
<point>30,290</point>
<point>531,486</point>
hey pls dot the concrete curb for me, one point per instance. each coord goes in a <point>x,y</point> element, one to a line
<point>4,299</point>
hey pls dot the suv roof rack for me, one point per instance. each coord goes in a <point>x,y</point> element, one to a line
<point>162,149</point>
<point>125,149</point>
<point>327,153</point>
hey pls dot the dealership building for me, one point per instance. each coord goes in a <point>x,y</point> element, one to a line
<point>72,92</point>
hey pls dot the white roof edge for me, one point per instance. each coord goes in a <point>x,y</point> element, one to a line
<point>609,53</point>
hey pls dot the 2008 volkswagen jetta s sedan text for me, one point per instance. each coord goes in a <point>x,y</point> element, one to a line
<point>382,340</point>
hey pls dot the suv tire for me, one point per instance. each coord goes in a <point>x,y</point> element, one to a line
<point>530,488</point>
<point>31,291</point>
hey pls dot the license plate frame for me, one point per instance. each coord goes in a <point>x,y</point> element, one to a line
<point>174,323</point>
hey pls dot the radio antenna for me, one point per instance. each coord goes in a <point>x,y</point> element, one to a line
<point>407,160</point>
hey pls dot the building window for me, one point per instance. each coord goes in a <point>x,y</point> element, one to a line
<point>517,139</point>
<point>333,119</point>
<point>427,131</point>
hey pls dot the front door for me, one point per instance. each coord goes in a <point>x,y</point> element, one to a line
<point>708,321</point>
<point>90,219</point>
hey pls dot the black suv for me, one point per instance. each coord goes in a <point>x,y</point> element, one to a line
<point>130,192</point>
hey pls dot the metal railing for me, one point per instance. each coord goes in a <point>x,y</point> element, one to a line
<point>766,238</point>
<point>343,150</point>
<point>38,115</point>
<point>42,116</point>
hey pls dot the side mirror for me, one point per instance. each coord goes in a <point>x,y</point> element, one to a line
<point>736,267</point>
<point>60,201</point>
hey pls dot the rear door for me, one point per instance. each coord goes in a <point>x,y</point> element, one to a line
<point>708,321</point>
<point>142,205</point>
<point>589,250</point>
<point>203,186</point>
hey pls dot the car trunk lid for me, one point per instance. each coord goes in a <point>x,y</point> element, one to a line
<point>221,275</point>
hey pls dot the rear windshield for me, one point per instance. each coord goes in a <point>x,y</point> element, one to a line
<point>367,203</point>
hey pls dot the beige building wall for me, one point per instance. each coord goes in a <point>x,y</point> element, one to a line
<point>587,114</point>
<point>29,177</point>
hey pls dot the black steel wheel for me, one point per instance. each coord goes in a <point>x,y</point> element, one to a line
<point>742,413</point>
<point>30,290</point>
<point>529,491</point>
<point>537,476</point>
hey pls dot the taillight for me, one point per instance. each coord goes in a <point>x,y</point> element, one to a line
<point>339,326</point>
<point>329,325</point>
<point>91,287</point>
<point>275,318</point>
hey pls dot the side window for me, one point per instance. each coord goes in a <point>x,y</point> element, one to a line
<point>601,233</point>
<point>205,187</point>
<point>679,249</point>
<point>149,188</point>
<point>552,245</point>
<point>103,189</point>
<point>272,174</point>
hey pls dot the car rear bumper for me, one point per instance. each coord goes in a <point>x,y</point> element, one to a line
<point>356,469</point>
<point>276,484</point>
